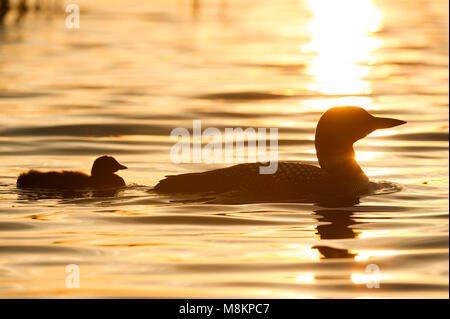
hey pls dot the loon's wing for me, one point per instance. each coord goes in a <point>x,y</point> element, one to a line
<point>290,177</point>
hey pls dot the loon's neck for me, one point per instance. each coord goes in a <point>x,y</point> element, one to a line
<point>338,159</point>
<point>109,180</point>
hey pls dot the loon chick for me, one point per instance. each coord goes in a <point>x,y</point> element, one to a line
<point>102,177</point>
<point>339,173</point>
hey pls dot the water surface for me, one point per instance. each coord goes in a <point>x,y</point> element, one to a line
<point>137,69</point>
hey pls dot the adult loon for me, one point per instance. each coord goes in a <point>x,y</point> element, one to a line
<point>339,173</point>
<point>102,177</point>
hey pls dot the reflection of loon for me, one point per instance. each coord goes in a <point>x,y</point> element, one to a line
<point>337,226</point>
<point>102,177</point>
<point>340,174</point>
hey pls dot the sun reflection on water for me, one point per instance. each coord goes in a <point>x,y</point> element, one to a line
<point>362,156</point>
<point>367,278</point>
<point>305,278</point>
<point>323,105</point>
<point>342,42</point>
<point>364,255</point>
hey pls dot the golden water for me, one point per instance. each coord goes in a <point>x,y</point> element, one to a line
<point>137,69</point>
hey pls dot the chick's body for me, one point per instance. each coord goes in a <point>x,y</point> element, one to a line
<point>102,176</point>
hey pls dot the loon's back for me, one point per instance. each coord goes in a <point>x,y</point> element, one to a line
<point>291,178</point>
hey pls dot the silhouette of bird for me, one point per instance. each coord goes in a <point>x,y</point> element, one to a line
<point>338,174</point>
<point>102,177</point>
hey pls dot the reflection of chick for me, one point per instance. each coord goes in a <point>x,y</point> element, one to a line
<point>339,173</point>
<point>102,177</point>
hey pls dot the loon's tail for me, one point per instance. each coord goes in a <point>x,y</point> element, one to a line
<point>188,183</point>
<point>218,180</point>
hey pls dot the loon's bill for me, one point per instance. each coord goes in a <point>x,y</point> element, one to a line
<point>338,174</point>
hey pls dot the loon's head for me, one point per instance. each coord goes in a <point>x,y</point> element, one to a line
<point>338,129</point>
<point>105,165</point>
